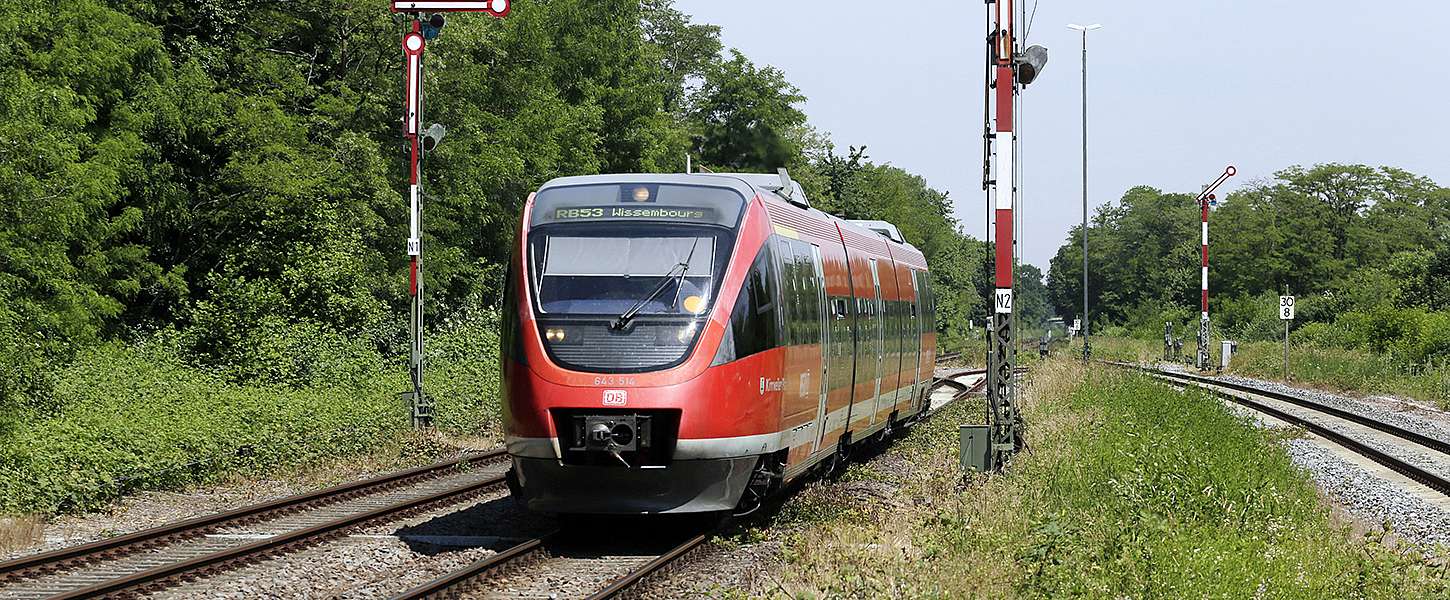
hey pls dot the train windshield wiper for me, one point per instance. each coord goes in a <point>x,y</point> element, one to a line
<point>628,315</point>
<point>684,268</point>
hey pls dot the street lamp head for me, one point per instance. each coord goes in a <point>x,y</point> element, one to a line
<point>1084,28</point>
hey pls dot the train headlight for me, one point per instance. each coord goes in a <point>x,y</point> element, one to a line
<point>694,304</point>
<point>554,335</point>
<point>672,336</point>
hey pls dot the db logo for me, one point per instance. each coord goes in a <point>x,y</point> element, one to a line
<point>616,397</point>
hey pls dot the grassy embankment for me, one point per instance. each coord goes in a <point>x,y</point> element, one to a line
<point>139,417</point>
<point>1131,490</point>
<point>1333,369</point>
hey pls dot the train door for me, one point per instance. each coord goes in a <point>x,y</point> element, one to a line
<point>878,343</point>
<point>914,329</point>
<point>840,348</point>
<point>821,335</point>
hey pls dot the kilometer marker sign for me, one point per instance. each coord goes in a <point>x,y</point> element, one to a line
<point>1286,308</point>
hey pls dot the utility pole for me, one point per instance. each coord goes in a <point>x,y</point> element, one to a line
<point>1286,314</point>
<point>1205,200</point>
<point>1086,349</point>
<point>1011,68</point>
<point>419,141</point>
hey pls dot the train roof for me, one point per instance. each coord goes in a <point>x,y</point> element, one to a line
<point>730,181</point>
<point>748,184</point>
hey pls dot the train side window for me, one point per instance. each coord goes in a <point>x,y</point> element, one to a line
<point>754,324</point>
<point>511,331</point>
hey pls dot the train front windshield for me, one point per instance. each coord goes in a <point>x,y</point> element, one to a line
<point>612,270</point>
<point>623,276</point>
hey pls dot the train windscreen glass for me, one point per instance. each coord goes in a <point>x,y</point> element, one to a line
<point>610,275</point>
<point>623,275</point>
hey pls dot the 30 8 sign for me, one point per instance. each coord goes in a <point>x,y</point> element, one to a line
<point>1286,308</point>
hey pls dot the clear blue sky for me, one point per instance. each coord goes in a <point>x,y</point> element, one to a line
<point>1177,90</point>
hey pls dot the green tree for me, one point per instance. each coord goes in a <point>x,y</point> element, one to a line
<point>747,117</point>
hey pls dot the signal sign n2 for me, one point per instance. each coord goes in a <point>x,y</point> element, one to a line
<point>1004,301</point>
<point>1286,308</point>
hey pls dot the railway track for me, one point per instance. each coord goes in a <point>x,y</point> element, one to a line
<point>1389,435</point>
<point>559,565</point>
<point>160,557</point>
<point>155,558</point>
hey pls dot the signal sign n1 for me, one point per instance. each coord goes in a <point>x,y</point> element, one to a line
<point>1286,308</point>
<point>497,8</point>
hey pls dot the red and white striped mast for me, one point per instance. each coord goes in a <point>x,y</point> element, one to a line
<point>414,42</point>
<point>1001,192</point>
<point>1205,200</point>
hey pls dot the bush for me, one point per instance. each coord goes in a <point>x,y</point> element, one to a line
<point>463,374</point>
<point>138,418</point>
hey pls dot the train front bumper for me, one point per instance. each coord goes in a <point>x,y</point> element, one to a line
<point>683,486</point>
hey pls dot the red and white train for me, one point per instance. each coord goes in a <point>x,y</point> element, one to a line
<point>689,343</point>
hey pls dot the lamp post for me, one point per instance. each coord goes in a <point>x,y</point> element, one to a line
<point>1086,350</point>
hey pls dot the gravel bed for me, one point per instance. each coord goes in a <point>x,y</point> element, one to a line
<point>146,510</point>
<point>381,560</point>
<point>1409,415</point>
<point>1371,499</point>
<point>1363,496</point>
<point>722,569</point>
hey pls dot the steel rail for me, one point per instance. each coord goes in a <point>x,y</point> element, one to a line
<point>658,564</point>
<point>1424,440</point>
<point>456,580</point>
<point>459,580</point>
<point>1403,467</point>
<point>196,526</point>
<point>264,546</point>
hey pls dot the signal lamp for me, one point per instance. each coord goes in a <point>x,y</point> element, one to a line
<point>433,136</point>
<point>1030,63</point>
<point>433,26</point>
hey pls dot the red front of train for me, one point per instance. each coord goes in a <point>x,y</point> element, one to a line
<point>648,363</point>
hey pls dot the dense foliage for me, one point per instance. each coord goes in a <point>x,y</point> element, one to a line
<point>208,196</point>
<point>1366,250</point>
<point>232,169</point>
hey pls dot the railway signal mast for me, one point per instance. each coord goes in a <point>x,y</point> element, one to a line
<point>1011,68</point>
<point>427,21</point>
<point>1205,200</point>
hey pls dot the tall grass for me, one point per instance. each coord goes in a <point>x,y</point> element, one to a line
<point>1338,369</point>
<point>1131,490</point>
<point>1335,369</point>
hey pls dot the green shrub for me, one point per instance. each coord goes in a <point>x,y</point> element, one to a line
<point>138,418</point>
<point>463,373</point>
